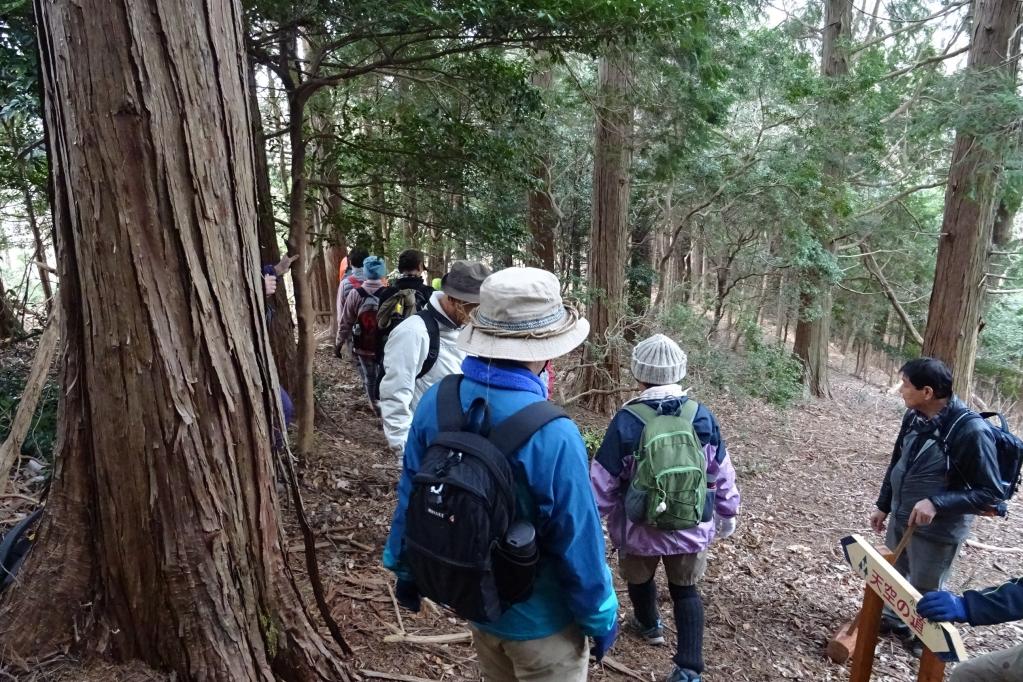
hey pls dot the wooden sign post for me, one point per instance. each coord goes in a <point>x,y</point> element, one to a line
<point>885,585</point>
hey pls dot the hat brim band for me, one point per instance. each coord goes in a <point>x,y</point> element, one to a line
<point>522,349</point>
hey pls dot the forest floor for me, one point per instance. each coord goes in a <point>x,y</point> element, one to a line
<point>774,592</point>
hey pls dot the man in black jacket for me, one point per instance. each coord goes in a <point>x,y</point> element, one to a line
<point>943,470</point>
<point>981,607</point>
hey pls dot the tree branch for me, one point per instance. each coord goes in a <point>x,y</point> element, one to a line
<point>898,197</point>
<point>873,269</point>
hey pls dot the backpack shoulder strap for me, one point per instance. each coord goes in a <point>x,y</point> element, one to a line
<point>513,432</point>
<point>946,438</point>
<point>450,416</point>
<point>689,410</point>
<point>433,331</point>
<point>642,412</point>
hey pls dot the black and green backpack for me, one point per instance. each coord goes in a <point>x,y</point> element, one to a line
<point>669,488</point>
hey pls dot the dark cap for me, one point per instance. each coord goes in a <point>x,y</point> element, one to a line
<point>464,279</point>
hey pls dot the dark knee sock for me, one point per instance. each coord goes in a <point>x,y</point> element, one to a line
<point>688,608</point>
<point>644,602</point>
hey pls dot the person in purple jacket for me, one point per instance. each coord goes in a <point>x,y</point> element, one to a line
<point>658,364</point>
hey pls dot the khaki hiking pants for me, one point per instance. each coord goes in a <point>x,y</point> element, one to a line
<point>1001,666</point>
<point>562,657</point>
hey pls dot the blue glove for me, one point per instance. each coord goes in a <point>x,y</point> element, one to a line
<point>604,642</point>
<point>407,594</point>
<point>943,607</point>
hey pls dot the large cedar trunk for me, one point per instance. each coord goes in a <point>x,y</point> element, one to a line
<point>543,219</point>
<point>609,234</point>
<point>281,323</point>
<point>813,332</point>
<point>813,327</point>
<point>953,317</point>
<point>161,540</point>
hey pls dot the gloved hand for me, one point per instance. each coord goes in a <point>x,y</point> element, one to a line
<point>943,607</point>
<point>604,642</point>
<point>725,526</point>
<point>341,351</point>
<point>407,594</point>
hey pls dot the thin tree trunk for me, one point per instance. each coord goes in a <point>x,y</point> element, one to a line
<point>9,324</point>
<point>161,540</point>
<point>609,234</point>
<point>953,316</point>
<point>40,250</point>
<point>305,314</point>
<point>281,323</point>
<point>781,312</point>
<point>41,362</point>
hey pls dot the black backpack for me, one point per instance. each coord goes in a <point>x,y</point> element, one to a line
<point>14,548</point>
<point>1008,448</point>
<point>462,504</point>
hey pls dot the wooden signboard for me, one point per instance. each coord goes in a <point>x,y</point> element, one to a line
<point>901,597</point>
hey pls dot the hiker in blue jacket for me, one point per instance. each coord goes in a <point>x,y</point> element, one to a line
<point>994,605</point>
<point>658,364</point>
<point>519,325</point>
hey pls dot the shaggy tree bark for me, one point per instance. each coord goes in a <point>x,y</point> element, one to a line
<point>609,234</point>
<point>953,316</point>
<point>161,540</point>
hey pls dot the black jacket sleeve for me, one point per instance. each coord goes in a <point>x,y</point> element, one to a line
<point>884,498</point>
<point>974,480</point>
<point>995,604</point>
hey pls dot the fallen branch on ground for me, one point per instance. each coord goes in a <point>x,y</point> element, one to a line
<point>621,668</point>
<point>19,496</point>
<point>452,638</point>
<point>993,548</point>
<point>393,676</point>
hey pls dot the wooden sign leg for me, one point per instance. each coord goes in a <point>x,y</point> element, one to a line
<point>932,668</point>
<point>866,640</point>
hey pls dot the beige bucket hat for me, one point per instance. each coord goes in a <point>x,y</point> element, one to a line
<point>521,317</point>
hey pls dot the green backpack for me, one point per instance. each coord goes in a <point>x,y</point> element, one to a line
<point>669,488</point>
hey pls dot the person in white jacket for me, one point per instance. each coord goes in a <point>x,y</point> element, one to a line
<point>408,349</point>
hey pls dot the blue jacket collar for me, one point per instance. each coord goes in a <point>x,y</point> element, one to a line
<point>503,374</point>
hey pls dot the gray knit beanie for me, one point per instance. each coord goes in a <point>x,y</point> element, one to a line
<point>658,361</point>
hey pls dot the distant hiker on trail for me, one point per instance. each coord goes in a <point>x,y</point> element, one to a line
<point>994,605</point>
<point>665,482</point>
<point>411,265</point>
<point>358,322</point>
<point>549,585</point>
<point>356,260</point>
<point>424,349</point>
<point>935,492</point>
